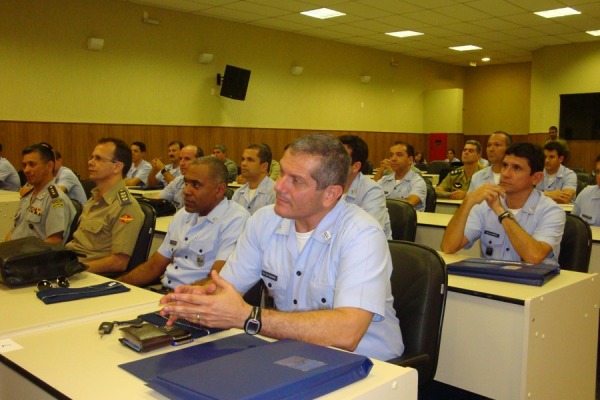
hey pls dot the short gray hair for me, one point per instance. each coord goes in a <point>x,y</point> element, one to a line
<point>334,167</point>
<point>476,144</point>
<point>217,169</point>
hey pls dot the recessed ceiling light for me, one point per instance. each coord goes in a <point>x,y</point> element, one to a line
<point>468,47</point>
<point>485,59</point>
<point>403,34</point>
<point>323,13</point>
<point>559,12</point>
<point>593,33</point>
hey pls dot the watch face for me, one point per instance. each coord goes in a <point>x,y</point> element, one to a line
<point>252,326</point>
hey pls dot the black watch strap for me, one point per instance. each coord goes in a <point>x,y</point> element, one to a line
<point>505,214</point>
<point>162,171</point>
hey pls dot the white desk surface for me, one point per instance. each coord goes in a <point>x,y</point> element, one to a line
<point>143,193</point>
<point>75,361</point>
<point>507,289</point>
<point>22,312</point>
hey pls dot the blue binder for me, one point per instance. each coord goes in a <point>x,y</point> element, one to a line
<point>286,369</point>
<point>507,271</point>
<point>150,367</point>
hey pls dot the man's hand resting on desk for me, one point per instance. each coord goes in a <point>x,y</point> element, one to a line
<point>216,305</point>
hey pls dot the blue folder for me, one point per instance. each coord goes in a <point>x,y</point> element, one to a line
<point>286,369</point>
<point>507,271</point>
<point>148,368</point>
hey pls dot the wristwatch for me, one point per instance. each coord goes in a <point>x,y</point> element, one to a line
<point>162,171</point>
<point>253,323</point>
<point>505,214</point>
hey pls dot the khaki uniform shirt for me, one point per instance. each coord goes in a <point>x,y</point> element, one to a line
<point>457,180</point>
<point>109,224</point>
<point>50,212</point>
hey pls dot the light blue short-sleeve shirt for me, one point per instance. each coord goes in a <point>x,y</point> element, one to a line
<point>410,184</point>
<point>369,195</point>
<point>263,195</point>
<point>194,243</point>
<point>565,178</point>
<point>587,205</point>
<point>345,263</point>
<point>480,177</point>
<point>173,171</point>
<point>540,217</point>
<point>67,178</point>
<point>9,177</point>
<point>173,192</point>
<point>141,171</point>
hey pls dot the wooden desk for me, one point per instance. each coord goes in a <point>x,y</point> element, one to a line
<point>76,363</point>
<point>511,341</point>
<point>22,312</point>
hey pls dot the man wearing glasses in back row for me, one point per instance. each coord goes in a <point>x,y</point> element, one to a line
<point>111,220</point>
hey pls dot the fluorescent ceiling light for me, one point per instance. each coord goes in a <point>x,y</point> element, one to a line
<point>403,34</point>
<point>593,33</point>
<point>323,13</point>
<point>559,12</point>
<point>465,48</point>
<point>485,59</point>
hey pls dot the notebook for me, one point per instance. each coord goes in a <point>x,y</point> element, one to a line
<point>507,271</point>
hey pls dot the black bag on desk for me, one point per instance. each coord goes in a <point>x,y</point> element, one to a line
<point>29,260</point>
<point>161,206</point>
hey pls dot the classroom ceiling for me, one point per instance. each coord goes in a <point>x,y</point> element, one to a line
<point>506,30</point>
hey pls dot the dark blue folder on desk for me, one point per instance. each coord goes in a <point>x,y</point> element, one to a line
<point>507,271</point>
<point>286,369</point>
<point>148,368</point>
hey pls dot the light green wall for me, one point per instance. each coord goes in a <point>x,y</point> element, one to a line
<point>557,70</point>
<point>497,98</point>
<point>443,111</point>
<point>149,74</point>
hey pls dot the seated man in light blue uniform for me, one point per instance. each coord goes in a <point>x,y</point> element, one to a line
<point>560,182</point>
<point>361,190</point>
<point>403,183</point>
<point>587,205</point>
<point>174,190</point>
<point>497,144</point>
<point>258,191</point>
<point>325,262</point>
<point>513,220</point>
<point>140,168</point>
<point>201,236</point>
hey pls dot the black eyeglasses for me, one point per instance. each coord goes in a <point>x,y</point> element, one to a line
<point>45,284</point>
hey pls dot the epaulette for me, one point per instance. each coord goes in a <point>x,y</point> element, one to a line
<point>123,196</point>
<point>456,171</point>
<point>53,192</point>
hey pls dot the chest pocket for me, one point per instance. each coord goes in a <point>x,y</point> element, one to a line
<point>32,218</point>
<point>203,248</point>
<point>320,296</point>
<point>494,241</point>
<point>90,226</point>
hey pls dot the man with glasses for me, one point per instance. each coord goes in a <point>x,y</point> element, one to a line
<point>45,211</point>
<point>111,220</point>
<point>587,205</point>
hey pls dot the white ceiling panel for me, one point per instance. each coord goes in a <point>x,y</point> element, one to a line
<point>507,30</point>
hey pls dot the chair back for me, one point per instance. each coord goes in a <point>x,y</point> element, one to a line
<point>580,186</point>
<point>22,177</point>
<point>88,185</point>
<point>586,178</point>
<point>419,284</point>
<point>435,167</point>
<point>144,240</point>
<point>75,222</point>
<point>403,219</point>
<point>576,245</point>
<point>229,193</point>
<point>431,201</point>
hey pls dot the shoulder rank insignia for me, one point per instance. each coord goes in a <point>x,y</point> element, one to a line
<point>125,218</point>
<point>456,171</point>
<point>123,196</point>
<point>457,185</point>
<point>57,203</point>
<point>53,192</point>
